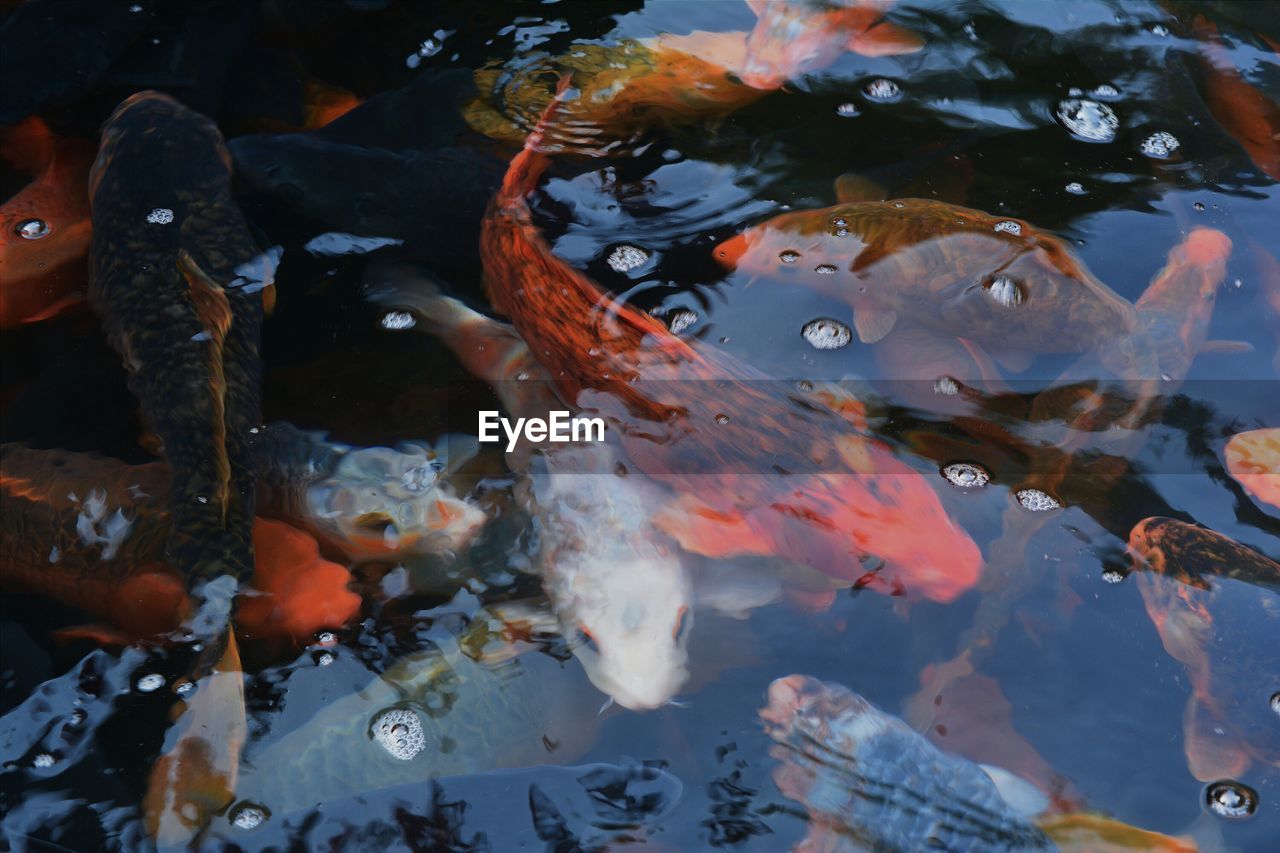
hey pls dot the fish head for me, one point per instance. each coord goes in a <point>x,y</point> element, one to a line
<point>381,502</point>
<point>791,244</point>
<point>793,38</point>
<point>802,709</point>
<point>638,618</point>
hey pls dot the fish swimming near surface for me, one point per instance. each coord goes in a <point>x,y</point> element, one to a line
<point>607,570</point>
<point>177,280</point>
<point>44,227</point>
<point>467,703</point>
<point>1216,606</point>
<point>628,86</point>
<point>1253,460</point>
<point>757,470</point>
<point>868,781</point>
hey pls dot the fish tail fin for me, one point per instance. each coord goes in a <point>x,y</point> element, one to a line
<point>524,171</point>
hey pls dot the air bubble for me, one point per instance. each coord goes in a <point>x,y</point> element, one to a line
<point>398,321</point>
<point>1006,292</point>
<point>626,258</point>
<point>788,256</point>
<point>1076,188</point>
<point>326,638</point>
<point>248,816</point>
<point>826,333</point>
<point>160,216</point>
<point>32,229</point>
<point>324,659</point>
<point>186,688</point>
<point>682,320</point>
<point>1089,120</point>
<point>825,269</point>
<point>150,683</point>
<point>1037,501</point>
<point>848,110</point>
<point>1275,703</point>
<point>1008,226</point>
<point>1198,205</point>
<point>722,419</point>
<point>1160,145</point>
<point>946,386</point>
<point>1113,576</point>
<point>1159,30</point>
<point>399,732</point>
<point>966,475</point>
<point>42,761</point>
<point>1105,91</point>
<point>882,90</point>
<point>1230,799</point>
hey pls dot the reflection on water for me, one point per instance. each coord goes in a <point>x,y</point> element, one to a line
<point>937,344</point>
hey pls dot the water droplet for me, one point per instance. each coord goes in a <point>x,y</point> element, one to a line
<point>1037,501</point>
<point>399,732</point>
<point>1112,576</point>
<point>1159,30</point>
<point>848,110</point>
<point>248,816</point>
<point>201,499</point>
<point>625,258</point>
<point>825,269</point>
<point>882,90</point>
<point>32,229</point>
<point>429,47</point>
<point>324,659</point>
<point>966,475</point>
<point>1105,91</point>
<point>1008,226</point>
<point>1198,205</point>
<point>1089,120</point>
<point>326,638</point>
<point>900,205</point>
<point>946,386</point>
<point>42,760</point>
<point>681,320</point>
<point>826,333</point>
<point>806,386</point>
<point>1159,145</point>
<point>150,683</point>
<point>186,688</point>
<point>788,256</point>
<point>1076,188</point>
<point>160,216</point>
<point>1275,703</point>
<point>1230,799</point>
<point>1006,292</point>
<point>840,222</point>
<point>398,320</point>
<point>722,419</point>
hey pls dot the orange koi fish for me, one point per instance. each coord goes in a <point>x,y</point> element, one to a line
<point>792,37</point>
<point>44,228</point>
<point>757,471</point>
<point>1243,110</point>
<point>1253,459</point>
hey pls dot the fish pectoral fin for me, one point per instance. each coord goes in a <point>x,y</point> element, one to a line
<point>1225,348</point>
<point>886,39</point>
<point>703,529</point>
<point>851,188</point>
<point>873,323</point>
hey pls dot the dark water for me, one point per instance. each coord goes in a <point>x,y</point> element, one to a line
<point>1087,679</point>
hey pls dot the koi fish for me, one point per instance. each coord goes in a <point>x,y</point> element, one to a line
<point>1243,110</point>
<point>1211,598</point>
<point>90,532</point>
<point>868,780</point>
<point>998,282</point>
<point>1253,460</point>
<point>756,472</point>
<point>44,228</point>
<point>608,572</point>
<point>631,85</point>
<point>175,276</point>
<point>794,37</point>
<point>464,704</point>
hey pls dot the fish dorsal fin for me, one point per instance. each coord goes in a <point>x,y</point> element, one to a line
<point>886,39</point>
<point>757,6</point>
<point>873,322</point>
<point>853,188</point>
<point>1023,797</point>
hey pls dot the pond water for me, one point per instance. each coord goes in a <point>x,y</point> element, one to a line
<point>1111,126</point>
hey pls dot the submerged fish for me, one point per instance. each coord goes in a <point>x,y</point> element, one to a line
<point>998,282</point>
<point>757,471</point>
<point>1216,605</point>
<point>626,87</point>
<point>90,532</point>
<point>1253,459</point>
<point>44,227</point>
<point>869,781</point>
<point>176,277</point>
<point>462,706</point>
<point>607,570</point>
